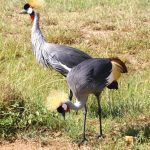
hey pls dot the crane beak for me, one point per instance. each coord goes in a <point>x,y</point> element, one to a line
<point>63,114</point>
<point>23,12</point>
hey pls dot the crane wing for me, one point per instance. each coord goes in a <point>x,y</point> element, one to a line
<point>90,75</point>
<point>63,58</point>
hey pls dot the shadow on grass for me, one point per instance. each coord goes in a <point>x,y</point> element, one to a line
<point>116,110</point>
<point>140,131</point>
<point>113,111</point>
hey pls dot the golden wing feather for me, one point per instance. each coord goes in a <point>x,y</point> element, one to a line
<point>116,70</point>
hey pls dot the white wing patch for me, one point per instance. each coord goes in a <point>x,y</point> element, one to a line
<point>54,62</point>
<point>110,78</point>
<point>64,66</point>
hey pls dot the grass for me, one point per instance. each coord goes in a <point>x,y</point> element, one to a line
<point>102,29</point>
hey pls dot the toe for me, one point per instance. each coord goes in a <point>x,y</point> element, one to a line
<point>84,141</point>
<point>101,136</point>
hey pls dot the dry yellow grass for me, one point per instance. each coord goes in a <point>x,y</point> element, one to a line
<point>101,28</point>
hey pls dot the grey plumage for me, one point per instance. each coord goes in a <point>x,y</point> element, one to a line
<point>91,77</point>
<point>61,58</point>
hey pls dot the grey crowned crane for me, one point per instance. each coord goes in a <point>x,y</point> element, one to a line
<point>59,57</point>
<point>91,77</point>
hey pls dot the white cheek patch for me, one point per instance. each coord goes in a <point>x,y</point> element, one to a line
<point>30,10</point>
<point>64,106</point>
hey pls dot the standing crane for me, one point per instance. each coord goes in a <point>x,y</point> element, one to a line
<point>59,57</point>
<point>91,77</point>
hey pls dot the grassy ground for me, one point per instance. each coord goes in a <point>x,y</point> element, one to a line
<point>103,28</point>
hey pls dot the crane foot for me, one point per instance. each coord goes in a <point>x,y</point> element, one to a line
<point>84,141</point>
<point>100,136</point>
<point>76,112</point>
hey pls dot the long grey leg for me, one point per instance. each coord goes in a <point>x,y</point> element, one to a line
<point>84,138</point>
<point>85,113</point>
<point>70,98</point>
<point>99,113</point>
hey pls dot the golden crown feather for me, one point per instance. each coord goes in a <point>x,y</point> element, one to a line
<point>37,3</point>
<point>55,99</point>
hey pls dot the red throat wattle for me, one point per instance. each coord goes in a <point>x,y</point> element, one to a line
<point>68,109</point>
<point>32,17</point>
<point>65,107</point>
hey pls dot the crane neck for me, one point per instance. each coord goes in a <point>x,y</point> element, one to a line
<point>35,18</point>
<point>36,34</point>
<point>75,106</point>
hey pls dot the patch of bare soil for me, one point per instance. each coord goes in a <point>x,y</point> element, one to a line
<point>55,144</point>
<point>30,145</point>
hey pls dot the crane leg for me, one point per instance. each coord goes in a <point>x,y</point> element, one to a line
<point>70,98</point>
<point>70,95</point>
<point>85,113</point>
<point>84,138</point>
<point>100,119</point>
